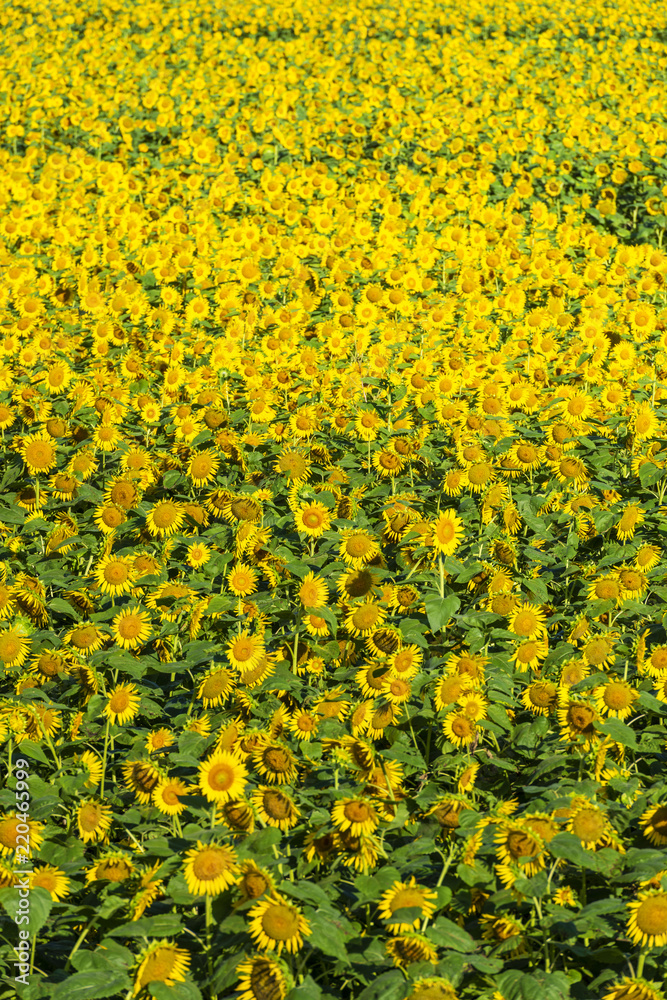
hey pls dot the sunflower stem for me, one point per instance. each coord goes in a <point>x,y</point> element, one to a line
<point>32,953</point>
<point>209,956</point>
<point>442,575</point>
<point>104,757</point>
<point>640,963</point>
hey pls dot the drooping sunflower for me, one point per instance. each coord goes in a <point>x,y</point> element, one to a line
<point>275,807</point>
<point>161,962</point>
<point>254,882</point>
<point>122,705</point>
<point>115,866</point>
<point>653,822</point>
<point>276,924</point>
<point>634,988</point>
<point>404,896</point>
<point>263,978</point>
<point>141,777</point>
<point>275,762</point>
<point>632,516</point>
<point>409,948</point>
<point>210,868</point>
<point>589,822</point>
<point>222,777</point>
<point>575,718</point>
<point>435,988</point>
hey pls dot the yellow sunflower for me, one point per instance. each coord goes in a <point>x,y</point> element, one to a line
<point>210,868</point>
<point>276,924</point>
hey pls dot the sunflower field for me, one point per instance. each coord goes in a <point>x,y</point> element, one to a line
<point>333,462</point>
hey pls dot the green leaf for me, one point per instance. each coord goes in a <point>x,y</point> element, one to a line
<point>649,474</point>
<point>309,990</point>
<point>568,846</point>
<point>12,515</point>
<point>327,935</point>
<point>31,918</point>
<point>177,991</point>
<point>64,608</point>
<point>618,731</point>
<point>440,609</point>
<point>162,925</point>
<point>92,985</point>
<point>32,749</point>
<point>447,934</point>
<point>388,986</point>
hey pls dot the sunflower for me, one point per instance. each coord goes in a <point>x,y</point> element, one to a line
<point>275,808</point>
<point>170,600</point>
<point>653,822</point>
<point>210,868</point>
<point>141,777</point>
<point>276,924</point>
<point>52,879</point>
<point>14,646</point>
<point>131,628</point>
<point>589,823</point>
<point>517,844</point>
<point>303,724</point>
<point>245,651</point>
<point>274,762</point>
<point>313,592</point>
<point>615,698</point>
<point>161,962</point>
<point>357,548</point>
<point>459,728</point>
<point>409,948</point>
<point>435,988</point>
<point>242,580</point>
<point>158,740</point>
<point>114,575</point>
<point>447,533</point>
<point>313,519</point>
<point>198,554</point>
<point>365,618</point>
<point>262,978</point>
<point>634,988</point>
<point>647,924</point>
<point>222,777</point>
<point>109,517</point>
<point>165,518</point>
<point>113,867</point>
<point>238,815</point>
<point>647,558</point>
<point>576,720</point>
<point>10,837</point>
<point>632,516</point>
<point>122,705</point>
<point>527,621</point>
<point>473,705</point>
<point>293,465</point>
<point>467,778</point>
<point>254,882</point>
<point>39,453</point>
<point>86,637</point>
<point>167,794</point>
<point>203,467</point>
<point>405,896</point>
<point>357,815</point>
<point>598,651</point>
<point>93,821</point>
<point>606,588</point>
<point>93,767</point>
<point>540,697</point>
